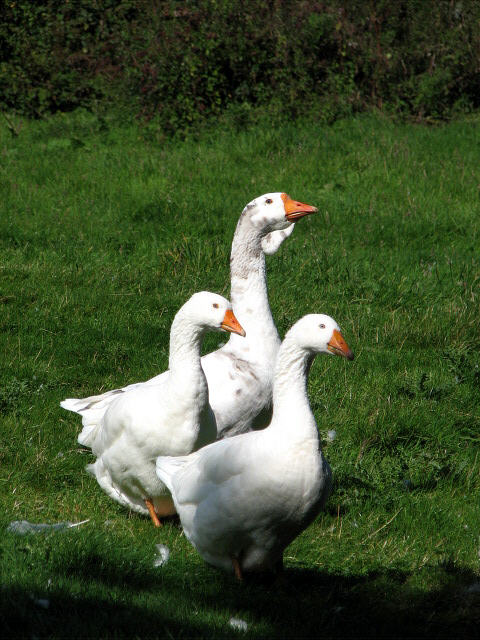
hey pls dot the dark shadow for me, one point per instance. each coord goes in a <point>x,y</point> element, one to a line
<point>301,603</point>
<point>76,617</point>
<point>381,604</point>
<point>96,568</point>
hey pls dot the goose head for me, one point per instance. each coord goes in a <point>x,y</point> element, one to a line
<point>212,312</point>
<point>276,211</point>
<point>319,333</point>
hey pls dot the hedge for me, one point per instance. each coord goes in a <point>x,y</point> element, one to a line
<point>181,62</point>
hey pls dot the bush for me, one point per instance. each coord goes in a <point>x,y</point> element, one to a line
<point>181,62</point>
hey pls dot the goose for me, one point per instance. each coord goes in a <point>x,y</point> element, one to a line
<point>172,417</point>
<point>240,373</point>
<point>243,499</point>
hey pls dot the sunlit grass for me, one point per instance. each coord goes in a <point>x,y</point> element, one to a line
<point>104,233</point>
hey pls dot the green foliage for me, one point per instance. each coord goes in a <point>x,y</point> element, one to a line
<point>181,63</point>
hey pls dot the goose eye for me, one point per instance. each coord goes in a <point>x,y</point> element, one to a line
<point>215,305</point>
<point>322,326</point>
<point>269,201</point>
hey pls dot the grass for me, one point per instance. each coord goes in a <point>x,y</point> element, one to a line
<point>105,231</point>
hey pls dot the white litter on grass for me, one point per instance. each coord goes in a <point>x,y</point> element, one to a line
<point>331,435</point>
<point>22,527</point>
<point>43,603</point>
<point>163,554</point>
<point>237,624</point>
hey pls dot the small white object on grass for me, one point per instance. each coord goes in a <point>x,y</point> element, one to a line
<point>22,527</point>
<point>238,625</point>
<point>163,554</point>
<point>43,603</point>
<point>331,435</point>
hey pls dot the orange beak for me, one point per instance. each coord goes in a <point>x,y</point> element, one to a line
<point>295,210</point>
<point>230,323</point>
<point>338,346</point>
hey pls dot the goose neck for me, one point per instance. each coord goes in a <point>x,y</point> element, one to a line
<point>247,256</point>
<point>185,344</point>
<point>249,293</point>
<point>290,398</point>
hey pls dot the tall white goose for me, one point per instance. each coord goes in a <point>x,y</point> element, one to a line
<point>242,500</point>
<point>239,374</point>
<point>172,417</point>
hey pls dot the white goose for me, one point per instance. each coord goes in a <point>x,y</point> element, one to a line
<point>172,417</point>
<point>242,500</point>
<point>240,374</point>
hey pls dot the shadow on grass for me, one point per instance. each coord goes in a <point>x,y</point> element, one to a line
<point>73,617</point>
<point>381,604</point>
<point>434,602</point>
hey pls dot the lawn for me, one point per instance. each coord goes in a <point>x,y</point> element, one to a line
<point>105,231</point>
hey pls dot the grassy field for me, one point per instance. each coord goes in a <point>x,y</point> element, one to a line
<point>106,231</point>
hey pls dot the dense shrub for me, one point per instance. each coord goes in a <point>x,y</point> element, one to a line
<point>183,61</point>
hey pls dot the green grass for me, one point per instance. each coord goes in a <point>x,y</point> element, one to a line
<point>106,231</point>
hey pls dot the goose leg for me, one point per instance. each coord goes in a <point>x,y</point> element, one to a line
<point>237,569</point>
<point>151,511</point>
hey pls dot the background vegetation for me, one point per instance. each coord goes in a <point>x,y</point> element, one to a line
<point>104,234</point>
<point>182,62</point>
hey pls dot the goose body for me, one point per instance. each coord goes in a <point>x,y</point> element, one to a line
<point>239,374</point>
<point>171,417</point>
<point>242,500</point>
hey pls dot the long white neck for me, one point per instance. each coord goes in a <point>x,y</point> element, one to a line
<point>249,293</point>
<point>185,345</point>
<point>291,408</point>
